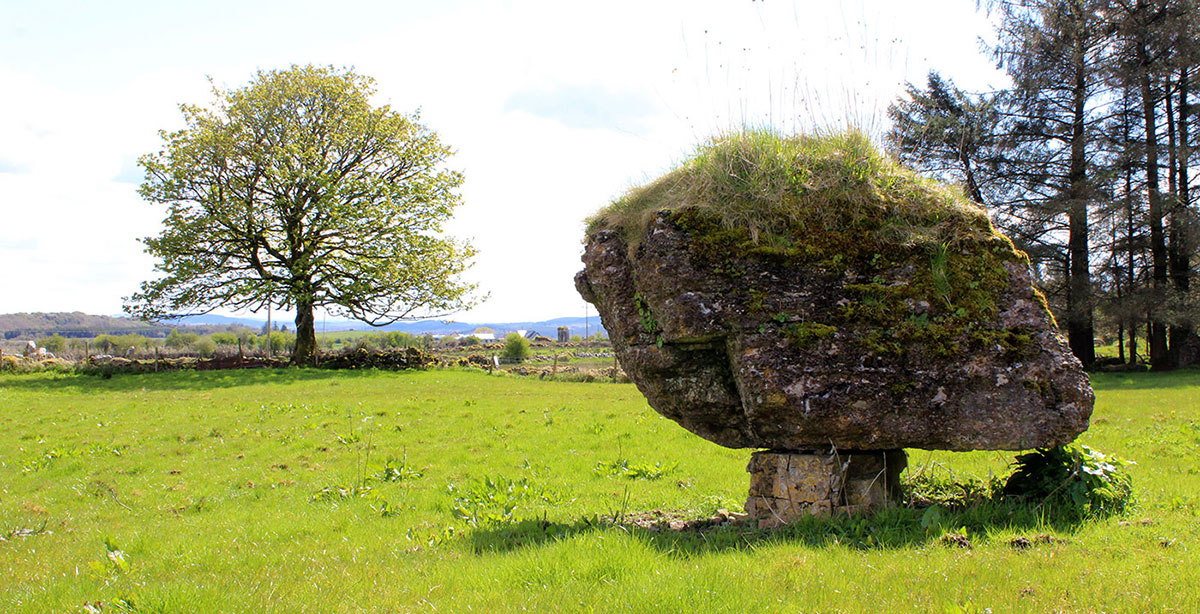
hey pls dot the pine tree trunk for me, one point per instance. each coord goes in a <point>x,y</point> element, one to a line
<point>1080,331</point>
<point>1131,255</point>
<point>1160,358</point>
<point>1180,248</point>
<point>306,334</point>
<point>1115,260</point>
<point>1121,340</point>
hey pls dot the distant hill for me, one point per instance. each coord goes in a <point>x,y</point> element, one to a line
<point>549,328</point>
<point>78,324</point>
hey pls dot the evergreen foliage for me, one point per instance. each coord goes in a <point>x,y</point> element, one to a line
<point>1085,161</point>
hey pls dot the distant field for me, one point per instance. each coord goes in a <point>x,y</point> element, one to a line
<point>453,491</point>
<point>343,335</point>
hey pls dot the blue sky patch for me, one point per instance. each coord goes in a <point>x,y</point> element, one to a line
<point>586,107</point>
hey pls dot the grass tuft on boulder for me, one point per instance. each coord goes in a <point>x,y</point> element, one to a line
<point>783,189</point>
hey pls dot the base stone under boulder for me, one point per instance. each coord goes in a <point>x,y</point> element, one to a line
<point>786,486</point>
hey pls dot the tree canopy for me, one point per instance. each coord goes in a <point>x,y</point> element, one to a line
<point>948,133</point>
<point>295,192</point>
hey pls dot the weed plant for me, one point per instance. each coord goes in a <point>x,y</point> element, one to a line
<point>1084,481</point>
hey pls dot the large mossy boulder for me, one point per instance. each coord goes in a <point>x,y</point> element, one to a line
<point>801,293</point>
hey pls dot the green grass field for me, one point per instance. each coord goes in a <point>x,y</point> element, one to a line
<point>452,491</point>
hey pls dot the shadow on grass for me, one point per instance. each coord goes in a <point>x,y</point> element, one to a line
<point>176,380</point>
<point>891,528</point>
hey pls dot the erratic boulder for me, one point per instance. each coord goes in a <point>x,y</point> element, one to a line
<point>808,293</point>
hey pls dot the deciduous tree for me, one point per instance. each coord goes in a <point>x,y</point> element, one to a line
<point>296,192</point>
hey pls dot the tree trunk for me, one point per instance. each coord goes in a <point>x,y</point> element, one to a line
<point>1160,358</point>
<point>1131,255</point>
<point>1080,331</point>
<point>976,194</point>
<point>1115,261</point>
<point>306,334</point>
<point>1121,340</point>
<point>1180,248</point>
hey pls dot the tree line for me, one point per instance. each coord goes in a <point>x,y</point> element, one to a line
<point>82,325</point>
<point>178,341</point>
<point>1086,161</point>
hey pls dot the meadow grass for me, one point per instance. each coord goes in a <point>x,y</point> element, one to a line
<point>270,491</point>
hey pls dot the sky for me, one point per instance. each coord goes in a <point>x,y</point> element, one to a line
<point>553,109</point>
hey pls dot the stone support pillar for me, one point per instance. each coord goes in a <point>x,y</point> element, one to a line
<point>786,486</point>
